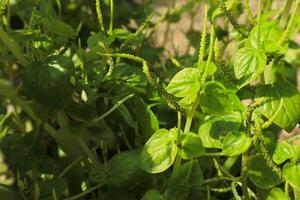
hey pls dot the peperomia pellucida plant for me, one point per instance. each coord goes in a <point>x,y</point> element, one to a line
<point>91,108</point>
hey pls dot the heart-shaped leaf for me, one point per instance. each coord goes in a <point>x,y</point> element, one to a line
<point>236,143</point>
<point>160,151</point>
<point>292,174</point>
<point>249,63</point>
<point>288,114</point>
<point>261,174</point>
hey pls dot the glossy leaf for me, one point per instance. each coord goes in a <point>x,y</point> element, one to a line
<point>261,174</point>
<point>236,143</point>
<point>191,146</point>
<point>269,34</point>
<point>289,114</point>
<point>213,130</point>
<point>160,151</point>
<point>292,174</point>
<point>189,175</point>
<point>184,83</point>
<point>215,99</point>
<point>276,194</point>
<point>283,151</point>
<point>249,63</point>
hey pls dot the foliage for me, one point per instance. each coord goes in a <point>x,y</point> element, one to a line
<point>92,108</point>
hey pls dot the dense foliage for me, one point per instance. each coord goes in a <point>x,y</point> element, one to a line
<point>92,108</point>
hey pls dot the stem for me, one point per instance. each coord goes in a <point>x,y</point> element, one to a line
<point>249,12</point>
<point>244,175</point>
<point>111,21</point>
<point>86,192</point>
<point>13,47</point>
<point>286,32</point>
<point>119,103</point>
<point>99,15</point>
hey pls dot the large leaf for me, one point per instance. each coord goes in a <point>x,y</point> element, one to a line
<point>215,128</point>
<point>269,34</point>
<point>261,174</point>
<point>49,84</point>
<point>236,143</point>
<point>123,168</point>
<point>249,63</point>
<point>292,174</point>
<point>160,151</point>
<point>288,114</point>
<point>185,84</point>
<point>191,146</point>
<point>189,176</point>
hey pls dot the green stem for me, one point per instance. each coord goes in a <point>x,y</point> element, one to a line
<point>119,103</point>
<point>244,175</point>
<point>285,34</point>
<point>86,192</point>
<point>99,15</point>
<point>111,21</point>
<point>13,47</point>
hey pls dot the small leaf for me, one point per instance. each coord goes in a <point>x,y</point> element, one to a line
<point>153,195</point>
<point>276,194</point>
<point>261,174</point>
<point>289,113</point>
<point>189,176</point>
<point>191,146</point>
<point>211,68</point>
<point>160,151</point>
<point>292,174</point>
<point>236,143</point>
<point>249,63</point>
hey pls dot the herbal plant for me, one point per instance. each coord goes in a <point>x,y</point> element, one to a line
<point>95,111</point>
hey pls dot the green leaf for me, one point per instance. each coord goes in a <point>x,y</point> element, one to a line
<point>215,99</point>
<point>160,151</point>
<point>94,40</point>
<point>185,84</point>
<point>269,34</point>
<point>189,176</point>
<point>49,84</point>
<point>211,68</point>
<point>261,174</point>
<point>123,169</point>
<point>153,195</point>
<point>60,28</point>
<point>249,63</point>
<point>292,174</point>
<point>213,130</point>
<point>289,114</point>
<point>236,143</point>
<point>191,146</point>
<point>146,119</point>
<point>276,194</point>
<point>121,33</point>
<point>283,151</point>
